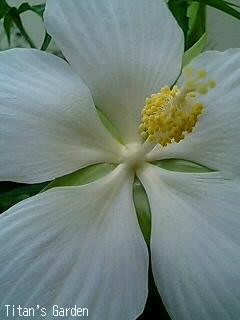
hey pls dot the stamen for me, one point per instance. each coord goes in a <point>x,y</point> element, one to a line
<point>172,113</point>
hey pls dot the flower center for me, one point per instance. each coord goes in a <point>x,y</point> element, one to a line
<point>172,113</point>
<point>134,156</point>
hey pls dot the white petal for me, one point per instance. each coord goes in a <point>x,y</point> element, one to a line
<point>76,246</point>
<point>48,123</point>
<point>123,50</point>
<point>195,243</point>
<point>215,140</point>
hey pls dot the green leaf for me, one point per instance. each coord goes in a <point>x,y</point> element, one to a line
<point>192,13</point>
<point>7,24</point>
<point>197,22</point>
<point>19,193</point>
<point>14,17</point>
<point>179,10</point>
<point>222,6</point>
<point>24,7</point>
<point>46,42</point>
<point>11,16</point>
<point>82,176</point>
<point>179,165</point>
<point>7,186</point>
<point>142,209</point>
<point>194,50</point>
<point>4,7</point>
<point>39,9</point>
<point>232,4</point>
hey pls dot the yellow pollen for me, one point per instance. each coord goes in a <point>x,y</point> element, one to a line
<point>172,113</point>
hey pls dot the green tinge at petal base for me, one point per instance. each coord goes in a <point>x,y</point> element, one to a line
<point>180,165</point>
<point>82,176</point>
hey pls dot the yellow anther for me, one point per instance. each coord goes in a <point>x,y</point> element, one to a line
<point>144,135</point>
<point>142,126</point>
<point>192,94</point>
<point>170,120</point>
<point>165,90</point>
<point>144,118</point>
<point>151,138</point>
<point>172,113</point>
<point>173,109</point>
<point>153,109</point>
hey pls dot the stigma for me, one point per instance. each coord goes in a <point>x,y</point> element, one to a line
<point>173,112</point>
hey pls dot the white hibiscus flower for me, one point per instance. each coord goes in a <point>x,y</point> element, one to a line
<point>82,245</point>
